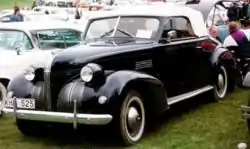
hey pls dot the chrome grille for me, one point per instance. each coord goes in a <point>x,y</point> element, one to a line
<point>47,88</point>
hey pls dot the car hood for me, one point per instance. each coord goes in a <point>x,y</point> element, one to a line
<point>92,51</point>
<point>12,64</point>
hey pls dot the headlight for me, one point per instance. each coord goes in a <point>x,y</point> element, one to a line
<point>86,74</point>
<point>29,74</point>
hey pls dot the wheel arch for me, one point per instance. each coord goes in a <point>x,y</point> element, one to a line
<point>223,56</point>
<point>154,96</point>
<point>5,81</point>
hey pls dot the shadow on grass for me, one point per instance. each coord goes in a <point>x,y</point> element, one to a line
<point>101,137</point>
<point>180,109</point>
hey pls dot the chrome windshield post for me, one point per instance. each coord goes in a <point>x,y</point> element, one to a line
<point>75,115</point>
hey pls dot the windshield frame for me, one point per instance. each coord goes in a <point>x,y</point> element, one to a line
<point>155,38</point>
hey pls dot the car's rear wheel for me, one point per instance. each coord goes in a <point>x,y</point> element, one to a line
<point>221,84</point>
<point>132,118</point>
<point>2,96</point>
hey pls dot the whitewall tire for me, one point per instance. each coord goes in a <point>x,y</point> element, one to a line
<point>132,118</point>
<point>221,85</point>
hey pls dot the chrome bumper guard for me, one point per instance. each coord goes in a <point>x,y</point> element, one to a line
<point>245,112</point>
<point>59,117</point>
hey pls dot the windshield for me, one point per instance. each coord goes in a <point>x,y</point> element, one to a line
<point>56,38</point>
<point>8,38</point>
<point>140,27</point>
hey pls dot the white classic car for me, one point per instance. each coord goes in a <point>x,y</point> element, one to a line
<point>25,43</point>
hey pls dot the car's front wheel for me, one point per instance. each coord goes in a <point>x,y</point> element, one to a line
<point>132,118</point>
<point>221,84</point>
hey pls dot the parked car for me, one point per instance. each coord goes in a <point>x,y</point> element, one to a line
<point>26,43</point>
<point>141,61</point>
<point>214,12</point>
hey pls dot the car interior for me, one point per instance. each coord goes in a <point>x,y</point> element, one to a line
<point>177,28</point>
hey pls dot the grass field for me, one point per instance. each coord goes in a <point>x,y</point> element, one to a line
<point>198,123</point>
<point>8,4</point>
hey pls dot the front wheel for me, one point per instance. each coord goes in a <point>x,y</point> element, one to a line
<point>221,84</point>
<point>132,118</point>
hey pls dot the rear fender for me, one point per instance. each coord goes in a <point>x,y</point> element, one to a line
<point>222,56</point>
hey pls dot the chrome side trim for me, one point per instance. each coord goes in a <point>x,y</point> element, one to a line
<point>185,96</point>
<point>59,117</point>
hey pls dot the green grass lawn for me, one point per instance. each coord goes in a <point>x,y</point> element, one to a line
<point>194,124</point>
<point>8,4</point>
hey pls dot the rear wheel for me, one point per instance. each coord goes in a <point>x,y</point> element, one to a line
<point>132,118</point>
<point>221,85</point>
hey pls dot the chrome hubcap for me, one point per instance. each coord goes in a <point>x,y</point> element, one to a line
<point>133,119</point>
<point>221,82</point>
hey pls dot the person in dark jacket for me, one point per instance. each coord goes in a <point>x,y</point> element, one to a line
<point>232,13</point>
<point>33,5</point>
<point>238,41</point>
<point>77,15</point>
<point>16,17</point>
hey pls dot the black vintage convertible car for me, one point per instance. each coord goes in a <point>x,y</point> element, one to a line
<point>135,63</point>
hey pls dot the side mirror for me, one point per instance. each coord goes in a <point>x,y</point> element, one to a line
<point>171,35</point>
<point>246,81</point>
<point>18,47</point>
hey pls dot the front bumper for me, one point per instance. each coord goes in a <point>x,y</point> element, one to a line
<point>245,112</point>
<point>57,117</point>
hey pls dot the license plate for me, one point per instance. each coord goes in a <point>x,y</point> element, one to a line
<point>21,103</point>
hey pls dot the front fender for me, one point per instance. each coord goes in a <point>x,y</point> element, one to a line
<point>20,87</point>
<point>117,82</point>
<point>114,89</point>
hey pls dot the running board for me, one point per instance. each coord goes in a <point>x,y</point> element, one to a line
<point>188,95</point>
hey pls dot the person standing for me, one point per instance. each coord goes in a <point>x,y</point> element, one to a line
<point>16,17</point>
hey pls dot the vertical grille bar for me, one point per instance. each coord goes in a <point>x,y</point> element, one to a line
<point>47,88</point>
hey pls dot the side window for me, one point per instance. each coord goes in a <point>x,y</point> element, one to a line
<point>177,28</point>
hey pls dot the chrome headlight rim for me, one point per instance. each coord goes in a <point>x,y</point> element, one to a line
<point>86,74</point>
<point>29,73</point>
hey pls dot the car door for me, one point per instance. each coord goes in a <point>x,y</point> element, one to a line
<point>177,59</point>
